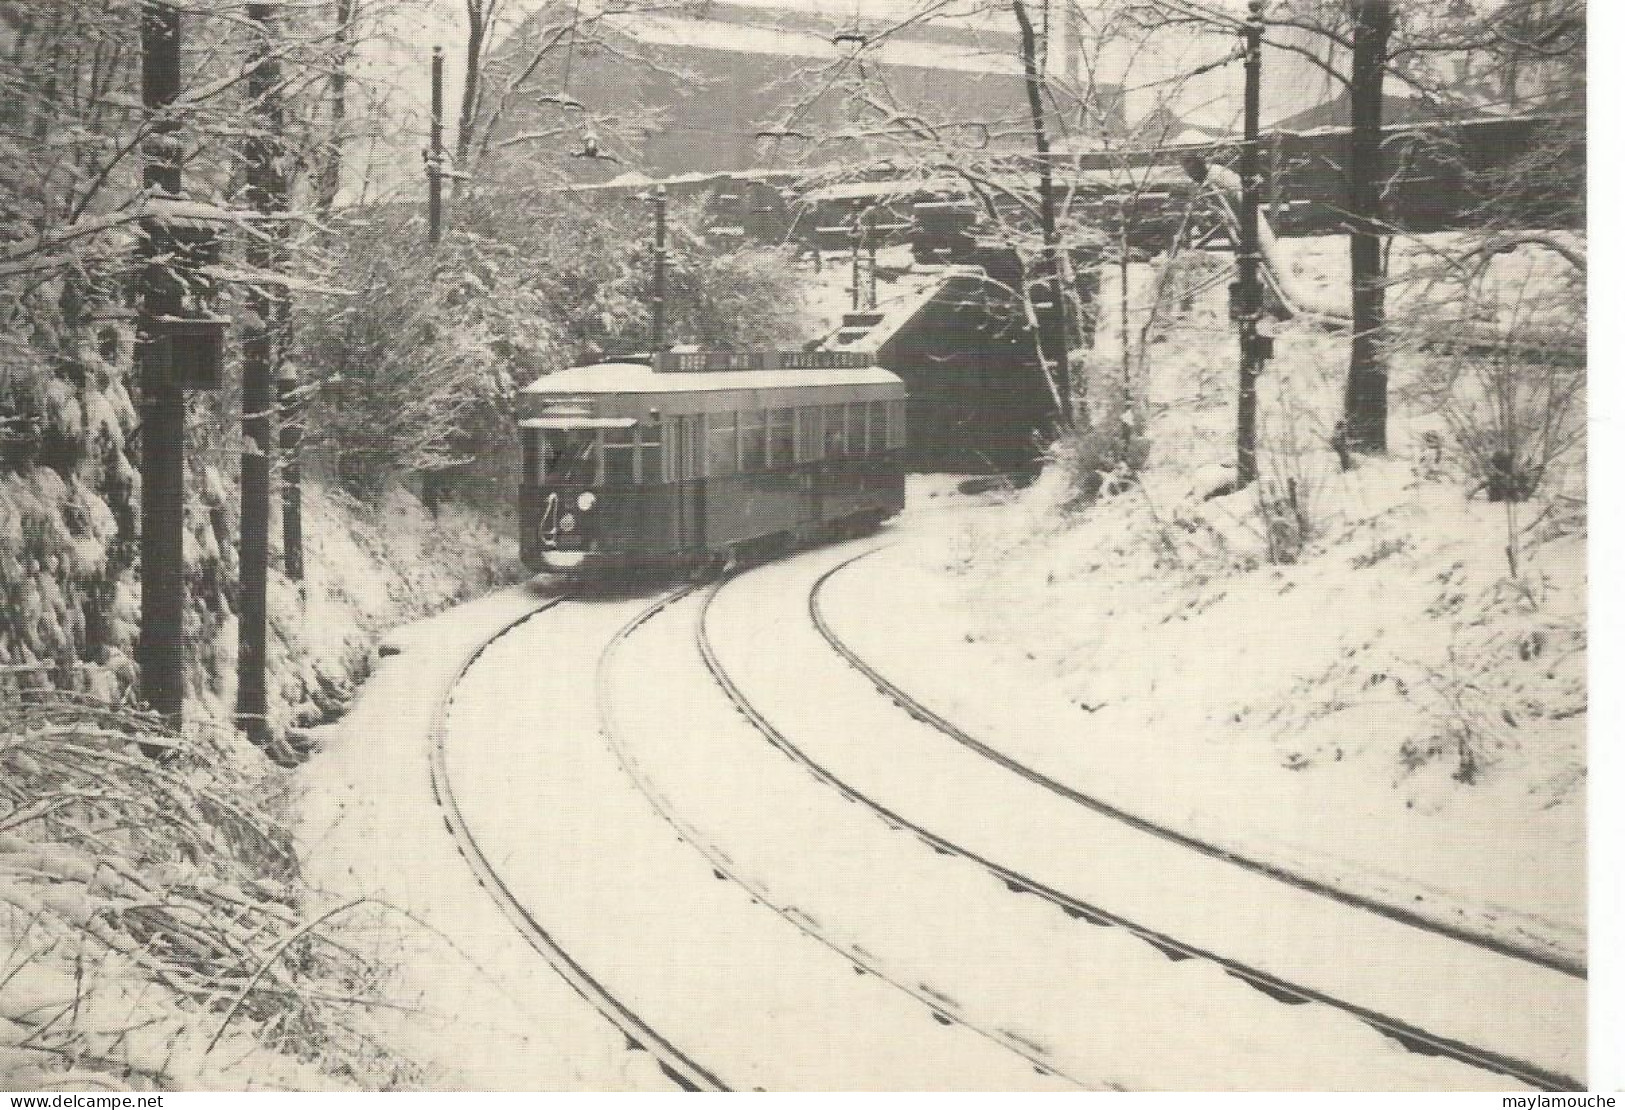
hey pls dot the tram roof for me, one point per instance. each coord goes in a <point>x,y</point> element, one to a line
<point>633,377</point>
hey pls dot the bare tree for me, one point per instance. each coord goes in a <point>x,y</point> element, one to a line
<point>1456,57</point>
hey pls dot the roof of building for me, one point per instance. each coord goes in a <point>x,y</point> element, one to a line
<point>635,377</point>
<point>744,38</point>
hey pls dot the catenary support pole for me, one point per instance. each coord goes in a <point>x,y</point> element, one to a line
<point>289,429</point>
<point>436,108</point>
<point>1365,405</point>
<point>1249,292</point>
<point>163,406</point>
<point>265,193</point>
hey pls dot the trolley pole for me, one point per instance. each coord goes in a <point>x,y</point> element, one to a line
<point>657,297</point>
<point>857,276</point>
<point>163,406</point>
<point>874,262</point>
<point>436,109</point>
<point>1249,292</point>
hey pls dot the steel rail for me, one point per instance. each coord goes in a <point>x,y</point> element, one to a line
<point>1410,1036</point>
<point>723,867</point>
<point>926,715</point>
<point>676,1064</point>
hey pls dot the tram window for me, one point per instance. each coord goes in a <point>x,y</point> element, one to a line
<point>651,454</point>
<point>834,431</point>
<point>856,441</point>
<point>895,423</point>
<point>722,445</point>
<point>753,441</point>
<point>620,447</point>
<point>694,457</point>
<point>570,456</point>
<point>877,427</point>
<point>781,437</point>
<point>810,434</point>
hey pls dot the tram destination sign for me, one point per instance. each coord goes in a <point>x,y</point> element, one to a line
<point>690,362</point>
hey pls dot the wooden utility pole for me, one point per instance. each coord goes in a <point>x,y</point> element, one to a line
<point>267,195</point>
<point>290,414</point>
<point>1365,402</point>
<point>436,108</point>
<point>1249,295</point>
<point>163,406</point>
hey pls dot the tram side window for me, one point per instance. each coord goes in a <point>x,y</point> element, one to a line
<point>856,440</point>
<point>652,454</point>
<point>753,441</point>
<point>569,456</point>
<point>877,428</point>
<point>834,431</point>
<point>721,444</point>
<point>896,413</point>
<point>620,449</point>
<point>781,437</point>
<point>810,441</point>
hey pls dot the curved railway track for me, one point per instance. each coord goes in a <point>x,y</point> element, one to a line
<point>723,866</point>
<point>1410,1036</point>
<point>676,1064</point>
<point>923,713</point>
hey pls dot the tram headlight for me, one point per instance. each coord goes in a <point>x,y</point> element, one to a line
<point>586,501</point>
<point>567,522</point>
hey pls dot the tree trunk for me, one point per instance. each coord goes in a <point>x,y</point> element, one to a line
<point>478,19</point>
<point>327,186</point>
<point>266,193</point>
<point>163,406</point>
<point>1047,293</point>
<point>1365,403</point>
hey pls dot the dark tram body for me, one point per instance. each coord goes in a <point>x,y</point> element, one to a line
<point>701,454</point>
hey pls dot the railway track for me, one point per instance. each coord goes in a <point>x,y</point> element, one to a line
<point>1410,1036</point>
<point>721,863</point>
<point>677,1065</point>
<point>926,715</point>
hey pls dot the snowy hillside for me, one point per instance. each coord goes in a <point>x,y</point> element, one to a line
<point>1373,675</point>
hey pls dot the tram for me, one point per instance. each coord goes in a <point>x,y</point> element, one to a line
<point>688,455</point>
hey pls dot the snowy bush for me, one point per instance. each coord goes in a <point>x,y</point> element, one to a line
<point>156,929</point>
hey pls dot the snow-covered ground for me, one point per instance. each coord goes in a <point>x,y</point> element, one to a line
<point>478,1007</point>
<point>1290,712</point>
<point>1304,938</point>
<point>1387,704</point>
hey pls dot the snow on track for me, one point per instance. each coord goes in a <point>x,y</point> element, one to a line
<point>484,1012</point>
<point>767,641</point>
<point>733,985</point>
<point>919,709</point>
<point>1096,1005</point>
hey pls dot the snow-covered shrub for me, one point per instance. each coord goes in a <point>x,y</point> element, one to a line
<point>1098,460</point>
<point>156,929</point>
<point>1512,396</point>
<point>68,496</point>
<point>416,361</point>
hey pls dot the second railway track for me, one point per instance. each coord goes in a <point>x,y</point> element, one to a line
<point>724,866</point>
<point>1411,1036</point>
<point>928,716</point>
